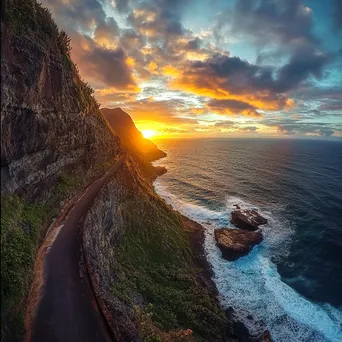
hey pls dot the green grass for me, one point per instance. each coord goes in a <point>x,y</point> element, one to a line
<point>155,260</point>
<point>20,235</point>
<point>23,226</point>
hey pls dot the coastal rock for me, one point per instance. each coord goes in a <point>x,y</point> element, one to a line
<point>235,243</point>
<point>247,219</point>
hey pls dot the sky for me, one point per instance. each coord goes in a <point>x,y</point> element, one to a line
<point>212,68</point>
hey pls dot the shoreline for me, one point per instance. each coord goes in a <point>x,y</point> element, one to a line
<point>197,236</point>
<point>196,232</point>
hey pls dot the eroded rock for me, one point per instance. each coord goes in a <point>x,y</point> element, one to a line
<point>247,219</point>
<point>235,243</point>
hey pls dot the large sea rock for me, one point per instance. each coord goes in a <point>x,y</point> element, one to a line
<point>235,243</point>
<point>247,219</point>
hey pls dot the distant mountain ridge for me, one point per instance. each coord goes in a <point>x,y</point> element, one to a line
<point>123,125</point>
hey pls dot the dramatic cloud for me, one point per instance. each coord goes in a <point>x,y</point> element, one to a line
<point>224,77</point>
<point>232,107</point>
<point>184,67</point>
<point>302,65</point>
<point>103,67</point>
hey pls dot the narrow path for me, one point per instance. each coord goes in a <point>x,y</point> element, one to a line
<point>68,310</point>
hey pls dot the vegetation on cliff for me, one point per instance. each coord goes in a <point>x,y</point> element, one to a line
<point>154,282</point>
<point>23,226</point>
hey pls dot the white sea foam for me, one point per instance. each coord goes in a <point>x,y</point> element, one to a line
<point>252,286</point>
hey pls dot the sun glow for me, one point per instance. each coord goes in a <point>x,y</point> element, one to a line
<point>148,133</point>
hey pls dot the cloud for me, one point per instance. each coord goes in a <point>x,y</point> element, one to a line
<point>302,65</point>
<point>76,14</point>
<point>183,75</point>
<point>223,77</point>
<point>101,66</point>
<point>164,112</point>
<point>287,22</point>
<point>233,127</point>
<point>106,33</point>
<point>158,20</point>
<point>122,6</point>
<point>232,107</point>
<point>299,127</point>
<point>337,14</point>
<point>171,130</point>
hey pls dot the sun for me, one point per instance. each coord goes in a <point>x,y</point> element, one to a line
<point>148,133</point>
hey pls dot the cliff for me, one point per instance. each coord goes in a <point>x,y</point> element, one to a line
<point>152,279</point>
<point>49,120</point>
<point>131,137</point>
<point>143,150</point>
<point>54,142</point>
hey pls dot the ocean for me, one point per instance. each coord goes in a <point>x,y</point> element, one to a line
<point>290,284</point>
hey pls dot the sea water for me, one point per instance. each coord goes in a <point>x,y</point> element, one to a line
<point>290,284</point>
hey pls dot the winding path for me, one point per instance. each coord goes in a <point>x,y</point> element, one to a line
<point>67,310</point>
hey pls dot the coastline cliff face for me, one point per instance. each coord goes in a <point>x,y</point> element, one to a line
<point>49,120</point>
<point>55,141</point>
<point>132,139</point>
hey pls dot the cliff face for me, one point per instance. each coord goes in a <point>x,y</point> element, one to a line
<point>49,120</point>
<point>132,138</point>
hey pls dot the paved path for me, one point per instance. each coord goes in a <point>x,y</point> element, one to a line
<point>68,310</point>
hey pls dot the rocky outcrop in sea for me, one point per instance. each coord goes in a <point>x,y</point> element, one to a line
<point>235,243</point>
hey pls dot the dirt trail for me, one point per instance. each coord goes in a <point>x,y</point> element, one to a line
<point>67,310</point>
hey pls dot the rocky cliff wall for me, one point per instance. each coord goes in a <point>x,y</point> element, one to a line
<point>50,123</point>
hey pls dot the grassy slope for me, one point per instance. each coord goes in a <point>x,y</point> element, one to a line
<point>156,263</point>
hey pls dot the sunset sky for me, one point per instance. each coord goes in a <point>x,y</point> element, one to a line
<point>186,68</point>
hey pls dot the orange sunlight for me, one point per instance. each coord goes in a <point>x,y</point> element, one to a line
<point>148,133</point>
